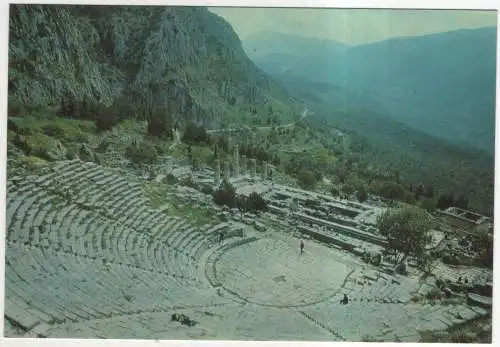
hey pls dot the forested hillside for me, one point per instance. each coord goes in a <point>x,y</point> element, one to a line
<point>382,150</point>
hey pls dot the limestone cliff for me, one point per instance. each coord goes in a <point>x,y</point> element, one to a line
<point>186,58</point>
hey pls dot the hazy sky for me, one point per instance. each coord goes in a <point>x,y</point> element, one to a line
<point>352,26</point>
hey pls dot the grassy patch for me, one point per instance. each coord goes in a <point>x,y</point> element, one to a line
<point>196,215</point>
<point>38,145</point>
<point>62,129</point>
<point>32,164</point>
<point>157,194</point>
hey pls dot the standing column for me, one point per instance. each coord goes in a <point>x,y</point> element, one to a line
<point>226,171</point>
<point>254,167</point>
<point>236,161</point>
<point>243,165</point>
<point>217,173</point>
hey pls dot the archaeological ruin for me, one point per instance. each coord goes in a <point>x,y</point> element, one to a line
<point>111,266</point>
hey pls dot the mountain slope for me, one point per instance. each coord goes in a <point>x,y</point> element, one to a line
<point>185,57</point>
<point>380,141</point>
<point>442,84</point>
<point>309,57</point>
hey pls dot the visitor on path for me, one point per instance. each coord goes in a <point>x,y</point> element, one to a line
<point>301,247</point>
<point>221,236</point>
<point>345,300</point>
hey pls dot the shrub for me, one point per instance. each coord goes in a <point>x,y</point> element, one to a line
<point>160,124</point>
<point>206,189</point>
<point>53,130</point>
<point>107,118</point>
<point>225,195</point>
<point>16,109</point>
<point>20,142</point>
<point>141,154</point>
<point>361,194</point>
<point>255,203</point>
<point>171,179</point>
<point>306,179</point>
<point>11,125</point>
<point>38,145</point>
<point>194,134</point>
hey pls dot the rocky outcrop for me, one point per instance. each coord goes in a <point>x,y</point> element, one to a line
<point>186,59</point>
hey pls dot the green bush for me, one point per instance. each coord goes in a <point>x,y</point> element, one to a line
<point>16,109</point>
<point>255,203</point>
<point>195,134</point>
<point>171,179</point>
<point>225,195</point>
<point>306,179</point>
<point>107,118</point>
<point>141,154</point>
<point>53,130</point>
<point>160,124</point>
<point>206,189</point>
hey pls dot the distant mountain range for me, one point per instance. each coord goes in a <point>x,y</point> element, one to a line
<point>442,84</point>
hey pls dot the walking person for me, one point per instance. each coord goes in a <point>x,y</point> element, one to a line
<point>301,247</point>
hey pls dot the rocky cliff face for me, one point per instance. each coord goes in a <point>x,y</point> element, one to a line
<point>186,58</point>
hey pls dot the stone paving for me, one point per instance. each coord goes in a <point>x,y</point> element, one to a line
<point>86,256</point>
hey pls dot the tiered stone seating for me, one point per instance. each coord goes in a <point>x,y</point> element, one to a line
<point>57,245</point>
<point>77,288</point>
<point>101,252</point>
<point>385,321</point>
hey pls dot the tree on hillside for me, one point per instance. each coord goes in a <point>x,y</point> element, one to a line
<point>406,231</point>
<point>225,195</point>
<point>361,194</point>
<point>462,202</point>
<point>429,192</point>
<point>428,204</point>
<point>255,203</point>
<point>306,179</point>
<point>393,191</point>
<point>419,191</point>
<point>341,174</point>
<point>223,143</point>
<point>195,134</point>
<point>106,117</point>
<point>241,204</point>
<point>445,200</point>
<point>160,123</point>
<point>142,153</point>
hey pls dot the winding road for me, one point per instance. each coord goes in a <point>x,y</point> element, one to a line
<point>305,113</point>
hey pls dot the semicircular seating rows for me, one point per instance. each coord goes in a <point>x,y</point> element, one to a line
<point>82,243</point>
